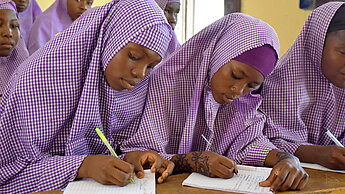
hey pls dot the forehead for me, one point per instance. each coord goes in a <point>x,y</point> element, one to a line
<point>7,14</point>
<point>175,6</point>
<point>143,49</point>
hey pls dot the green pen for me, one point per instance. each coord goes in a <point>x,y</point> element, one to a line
<point>105,141</point>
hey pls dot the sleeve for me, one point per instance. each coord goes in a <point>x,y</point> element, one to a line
<point>282,138</point>
<point>49,173</point>
<point>250,146</point>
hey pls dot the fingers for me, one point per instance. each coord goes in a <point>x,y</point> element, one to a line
<point>224,172</point>
<point>167,168</point>
<point>122,165</point>
<point>268,182</point>
<point>157,161</point>
<point>280,177</point>
<point>303,182</point>
<point>230,164</point>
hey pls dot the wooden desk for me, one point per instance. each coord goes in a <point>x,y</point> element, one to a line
<point>319,182</point>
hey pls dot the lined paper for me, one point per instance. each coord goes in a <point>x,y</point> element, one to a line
<point>146,185</point>
<point>246,181</point>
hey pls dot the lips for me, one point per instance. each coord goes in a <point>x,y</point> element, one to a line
<point>128,84</point>
<point>7,45</point>
<point>227,99</point>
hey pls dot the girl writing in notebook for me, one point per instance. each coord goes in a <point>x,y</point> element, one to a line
<point>54,20</point>
<point>305,94</point>
<point>12,47</point>
<point>206,88</point>
<point>90,76</point>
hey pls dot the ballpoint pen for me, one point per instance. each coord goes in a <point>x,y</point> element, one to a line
<point>334,139</point>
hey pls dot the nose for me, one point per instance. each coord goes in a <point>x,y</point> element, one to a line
<point>83,5</point>
<point>172,18</point>
<point>238,90</point>
<point>140,71</point>
<point>6,32</point>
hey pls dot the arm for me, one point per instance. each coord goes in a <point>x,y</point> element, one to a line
<point>332,157</point>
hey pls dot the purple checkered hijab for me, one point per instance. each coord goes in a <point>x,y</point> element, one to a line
<point>27,18</point>
<point>60,95</point>
<point>298,97</point>
<point>10,63</point>
<point>52,21</point>
<point>180,106</point>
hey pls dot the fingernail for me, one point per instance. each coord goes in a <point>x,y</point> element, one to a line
<point>167,173</point>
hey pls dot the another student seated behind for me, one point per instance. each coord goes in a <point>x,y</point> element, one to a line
<point>12,47</point>
<point>88,76</point>
<point>305,94</point>
<point>28,11</point>
<point>54,20</point>
<point>204,88</point>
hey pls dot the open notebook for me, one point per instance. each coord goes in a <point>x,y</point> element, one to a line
<point>246,181</point>
<point>146,185</point>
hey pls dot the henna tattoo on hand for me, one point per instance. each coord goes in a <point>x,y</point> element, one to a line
<point>181,163</point>
<point>284,155</point>
<point>201,163</point>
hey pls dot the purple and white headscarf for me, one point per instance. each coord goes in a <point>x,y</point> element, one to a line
<point>52,21</point>
<point>52,106</point>
<point>297,97</point>
<point>10,63</point>
<point>27,18</point>
<point>180,106</point>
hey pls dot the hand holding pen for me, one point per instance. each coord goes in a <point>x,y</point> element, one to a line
<point>235,170</point>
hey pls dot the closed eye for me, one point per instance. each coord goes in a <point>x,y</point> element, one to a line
<point>132,57</point>
<point>235,76</point>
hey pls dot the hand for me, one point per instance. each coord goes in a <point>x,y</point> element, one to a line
<point>332,157</point>
<point>107,170</point>
<point>286,174</point>
<point>207,163</point>
<point>150,159</point>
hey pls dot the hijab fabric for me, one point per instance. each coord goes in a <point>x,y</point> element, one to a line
<point>297,97</point>
<point>180,106</point>
<point>9,64</point>
<point>60,95</point>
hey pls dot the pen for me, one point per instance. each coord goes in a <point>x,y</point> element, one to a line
<point>335,140</point>
<point>209,143</point>
<point>105,141</point>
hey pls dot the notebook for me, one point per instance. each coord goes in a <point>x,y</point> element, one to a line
<point>319,167</point>
<point>146,185</point>
<point>246,181</point>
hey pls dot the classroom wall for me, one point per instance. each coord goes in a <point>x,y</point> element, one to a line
<point>44,4</point>
<point>284,16</point>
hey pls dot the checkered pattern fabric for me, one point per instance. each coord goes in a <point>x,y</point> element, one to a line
<point>297,97</point>
<point>60,95</point>
<point>180,106</point>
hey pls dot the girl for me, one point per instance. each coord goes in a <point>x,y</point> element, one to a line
<point>204,88</point>
<point>54,20</point>
<point>171,10</point>
<point>91,75</point>
<point>28,11</point>
<point>305,94</point>
<point>12,48</point>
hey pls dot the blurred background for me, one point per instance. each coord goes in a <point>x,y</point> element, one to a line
<point>285,16</point>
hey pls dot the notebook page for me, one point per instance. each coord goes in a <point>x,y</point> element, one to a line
<point>146,185</point>
<point>246,181</point>
<point>319,167</point>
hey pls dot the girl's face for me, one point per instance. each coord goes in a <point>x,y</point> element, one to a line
<point>333,58</point>
<point>77,7</point>
<point>233,80</point>
<point>130,65</point>
<point>171,10</point>
<point>9,31</point>
<point>22,5</point>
